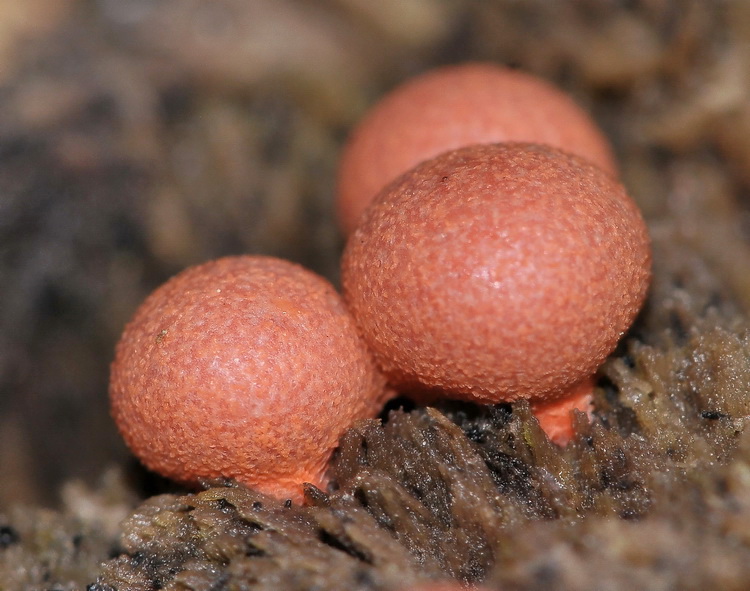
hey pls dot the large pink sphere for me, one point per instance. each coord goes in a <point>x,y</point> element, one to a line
<point>452,107</point>
<point>497,272</point>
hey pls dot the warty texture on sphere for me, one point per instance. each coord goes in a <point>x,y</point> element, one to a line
<point>452,107</point>
<point>497,272</point>
<point>245,367</point>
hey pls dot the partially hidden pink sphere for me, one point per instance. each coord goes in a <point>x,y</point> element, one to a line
<point>497,272</point>
<point>452,107</point>
<point>245,367</point>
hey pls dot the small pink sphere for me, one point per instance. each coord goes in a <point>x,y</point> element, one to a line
<point>497,272</point>
<point>244,367</point>
<point>456,106</point>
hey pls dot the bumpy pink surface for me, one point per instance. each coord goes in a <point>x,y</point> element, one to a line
<point>497,272</point>
<point>452,107</point>
<point>244,367</point>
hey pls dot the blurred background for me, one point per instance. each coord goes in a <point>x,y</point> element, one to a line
<point>139,137</point>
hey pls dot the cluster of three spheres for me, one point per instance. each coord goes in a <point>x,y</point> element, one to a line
<point>492,255</point>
